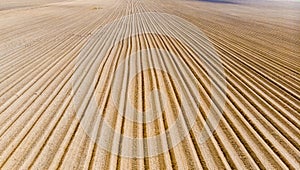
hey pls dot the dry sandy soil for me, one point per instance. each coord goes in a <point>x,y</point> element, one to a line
<point>57,95</point>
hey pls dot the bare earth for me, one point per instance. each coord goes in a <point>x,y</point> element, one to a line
<point>44,43</point>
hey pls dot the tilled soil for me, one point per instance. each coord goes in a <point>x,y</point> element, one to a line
<point>80,80</point>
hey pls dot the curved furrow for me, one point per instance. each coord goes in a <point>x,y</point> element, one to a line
<point>134,84</point>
